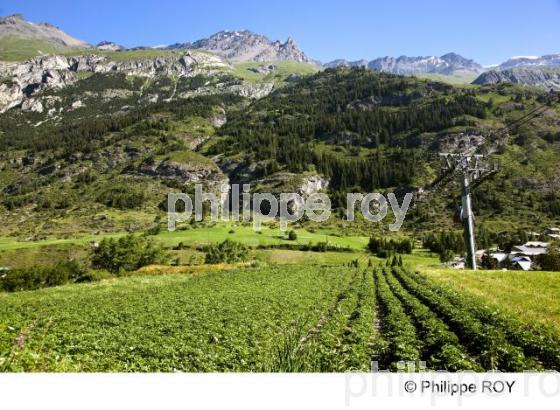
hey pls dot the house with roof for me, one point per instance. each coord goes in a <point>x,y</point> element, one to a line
<point>521,257</point>
<point>553,233</point>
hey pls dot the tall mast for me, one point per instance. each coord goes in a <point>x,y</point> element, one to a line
<point>471,173</point>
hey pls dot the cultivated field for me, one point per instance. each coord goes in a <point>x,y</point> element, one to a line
<point>278,318</point>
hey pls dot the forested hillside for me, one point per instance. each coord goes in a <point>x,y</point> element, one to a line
<point>360,130</point>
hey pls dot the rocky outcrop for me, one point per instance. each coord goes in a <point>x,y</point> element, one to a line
<point>219,119</point>
<point>32,105</point>
<point>11,95</point>
<point>313,184</point>
<point>23,80</point>
<point>243,89</point>
<point>185,172</point>
<point>545,78</point>
<point>263,69</point>
<point>466,143</point>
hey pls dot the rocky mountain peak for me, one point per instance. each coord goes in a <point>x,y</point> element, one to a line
<point>109,46</point>
<point>13,19</point>
<point>244,45</point>
<point>17,26</point>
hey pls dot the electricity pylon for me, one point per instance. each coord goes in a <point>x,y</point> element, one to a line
<point>471,171</point>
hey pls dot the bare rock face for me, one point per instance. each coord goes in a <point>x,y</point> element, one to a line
<point>11,95</point>
<point>186,173</point>
<point>242,89</point>
<point>345,63</point>
<point>219,119</point>
<point>40,73</point>
<point>545,78</point>
<point>461,142</point>
<point>32,105</point>
<point>313,184</point>
<point>26,79</point>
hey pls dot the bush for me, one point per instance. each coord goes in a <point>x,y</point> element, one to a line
<point>127,253</point>
<point>292,235</point>
<point>226,252</point>
<point>38,277</point>
<point>446,255</point>
<point>383,248</point>
<point>122,197</point>
<point>445,240</point>
<point>549,261</point>
<point>488,262</point>
<point>154,230</point>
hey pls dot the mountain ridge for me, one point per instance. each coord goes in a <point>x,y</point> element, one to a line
<point>546,78</point>
<point>21,40</point>
<point>16,26</point>
<point>245,45</point>
<point>447,64</point>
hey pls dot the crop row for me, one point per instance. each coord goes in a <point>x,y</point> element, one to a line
<point>341,341</point>
<point>486,343</point>
<point>344,342</point>
<point>398,330</point>
<point>305,349</point>
<point>441,347</point>
<point>215,322</point>
<point>536,341</point>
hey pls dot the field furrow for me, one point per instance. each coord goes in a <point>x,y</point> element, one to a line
<point>486,343</point>
<point>441,348</point>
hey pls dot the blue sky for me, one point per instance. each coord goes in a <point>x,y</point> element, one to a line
<point>489,31</point>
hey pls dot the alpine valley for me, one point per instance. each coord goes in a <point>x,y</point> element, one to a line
<point>94,137</point>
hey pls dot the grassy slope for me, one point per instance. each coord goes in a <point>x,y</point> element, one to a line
<point>284,69</point>
<point>13,48</point>
<point>456,79</point>
<point>534,296</point>
<point>204,235</point>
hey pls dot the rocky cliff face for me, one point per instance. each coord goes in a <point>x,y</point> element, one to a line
<point>248,46</point>
<point>538,77</point>
<point>23,80</point>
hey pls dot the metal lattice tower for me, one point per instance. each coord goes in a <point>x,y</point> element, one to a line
<point>471,170</point>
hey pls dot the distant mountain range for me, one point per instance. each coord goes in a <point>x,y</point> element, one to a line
<point>552,60</point>
<point>543,77</point>
<point>243,45</point>
<point>447,64</point>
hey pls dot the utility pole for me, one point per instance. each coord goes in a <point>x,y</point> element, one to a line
<point>471,171</point>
